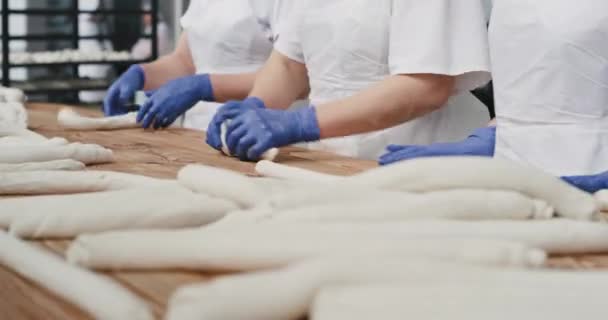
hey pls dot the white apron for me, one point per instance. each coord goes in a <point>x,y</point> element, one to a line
<point>366,41</point>
<point>224,38</point>
<point>550,65</point>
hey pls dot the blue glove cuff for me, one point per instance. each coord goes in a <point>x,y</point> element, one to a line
<point>206,87</point>
<point>256,102</point>
<point>309,124</point>
<point>139,71</point>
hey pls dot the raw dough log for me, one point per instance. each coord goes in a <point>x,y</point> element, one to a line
<point>252,248</point>
<point>269,155</point>
<point>99,296</point>
<point>557,236</point>
<point>28,142</point>
<point>69,119</point>
<point>491,299</point>
<point>22,133</point>
<point>85,153</point>
<point>289,293</point>
<point>451,204</point>
<point>65,165</point>
<point>146,208</point>
<point>243,190</point>
<point>13,114</point>
<point>433,174</point>
<point>274,170</point>
<point>602,199</point>
<point>68,182</point>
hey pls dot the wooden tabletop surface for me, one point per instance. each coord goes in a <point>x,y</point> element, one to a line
<point>161,154</point>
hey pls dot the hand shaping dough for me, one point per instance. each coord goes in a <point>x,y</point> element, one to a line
<point>602,199</point>
<point>288,293</point>
<point>99,296</point>
<point>281,171</point>
<point>251,248</point>
<point>68,182</point>
<point>85,153</point>
<point>146,208</point>
<point>383,207</point>
<point>13,114</point>
<point>433,174</point>
<point>229,185</point>
<point>269,155</point>
<point>69,119</point>
<point>64,165</point>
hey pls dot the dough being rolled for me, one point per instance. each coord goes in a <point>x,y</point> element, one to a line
<point>495,298</point>
<point>269,155</point>
<point>85,153</point>
<point>99,296</point>
<point>433,174</point>
<point>276,170</point>
<point>243,190</point>
<point>64,165</point>
<point>251,248</point>
<point>69,119</point>
<point>602,199</point>
<point>383,207</point>
<point>168,207</point>
<point>288,293</point>
<point>68,182</point>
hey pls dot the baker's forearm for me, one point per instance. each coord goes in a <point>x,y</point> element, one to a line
<point>175,65</point>
<point>281,82</point>
<point>391,102</point>
<point>228,87</point>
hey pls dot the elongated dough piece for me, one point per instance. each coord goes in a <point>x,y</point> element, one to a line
<point>288,293</point>
<point>63,165</point>
<point>602,199</point>
<point>556,236</point>
<point>69,119</point>
<point>168,207</point>
<point>433,174</point>
<point>101,297</point>
<point>13,114</point>
<point>269,155</point>
<point>451,204</point>
<point>226,184</point>
<point>25,141</point>
<point>276,170</point>
<point>68,182</point>
<point>251,248</point>
<point>491,299</point>
<point>85,153</point>
<point>20,132</point>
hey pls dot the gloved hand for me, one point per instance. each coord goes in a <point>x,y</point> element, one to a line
<point>226,112</point>
<point>480,143</point>
<point>122,90</point>
<point>591,184</point>
<point>173,99</point>
<point>254,131</point>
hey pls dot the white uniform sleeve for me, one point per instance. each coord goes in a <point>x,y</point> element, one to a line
<point>192,14</point>
<point>287,20</point>
<point>441,37</point>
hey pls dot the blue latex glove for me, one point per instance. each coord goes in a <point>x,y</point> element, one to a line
<point>123,90</point>
<point>173,99</point>
<point>480,143</point>
<point>226,112</point>
<point>254,131</point>
<point>591,184</point>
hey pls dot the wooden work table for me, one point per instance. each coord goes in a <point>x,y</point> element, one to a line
<point>161,154</point>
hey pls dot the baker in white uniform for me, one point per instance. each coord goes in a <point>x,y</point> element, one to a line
<point>223,45</point>
<point>378,72</point>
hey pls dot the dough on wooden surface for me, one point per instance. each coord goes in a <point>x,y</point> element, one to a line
<point>19,141</point>
<point>64,165</point>
<point>21,133</point>
<point>85,153</point>
<point>70,119</point>
<point>69,182</point>
<point>433,174</point>
<point>13,114</point>
<point>169,207</point>
<point>602,199</point>
<point>96,294</point>
<point>276,170</point>
<point>251,248</point>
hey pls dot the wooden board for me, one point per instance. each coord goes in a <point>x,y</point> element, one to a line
<point>162,154</point>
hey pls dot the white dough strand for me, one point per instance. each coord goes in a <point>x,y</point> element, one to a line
<point>85,153</point>
<point>63,165</point>
<point>69,119</point>
<point>275,170</point>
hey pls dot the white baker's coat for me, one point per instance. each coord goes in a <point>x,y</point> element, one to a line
<point>348,45</point>
<point>227,37</point>
<point>550,65</point>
